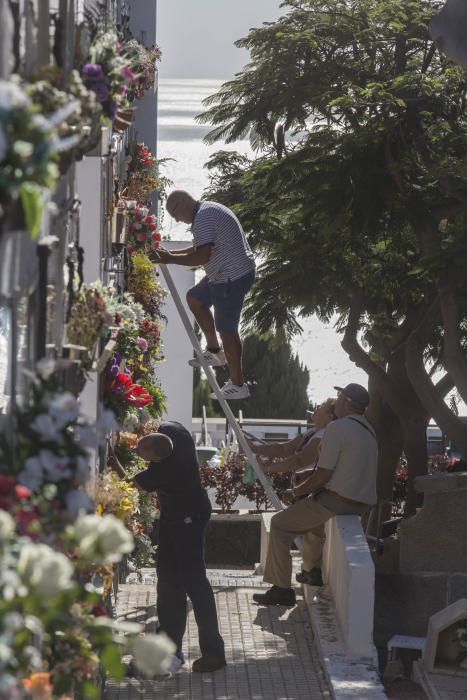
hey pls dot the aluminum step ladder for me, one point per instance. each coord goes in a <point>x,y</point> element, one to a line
<point>242,441</point>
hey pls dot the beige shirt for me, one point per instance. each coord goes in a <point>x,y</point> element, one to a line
<point>351,451</point>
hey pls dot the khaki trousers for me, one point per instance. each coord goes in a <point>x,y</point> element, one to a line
<point>306,517</point>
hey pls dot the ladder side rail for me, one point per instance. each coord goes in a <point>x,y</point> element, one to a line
<point>242,441</point>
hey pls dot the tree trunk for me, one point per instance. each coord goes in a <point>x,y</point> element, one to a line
<point>454,359</point>
<point>389,433</point>
<point>416,453</point>
<point>428,393</point>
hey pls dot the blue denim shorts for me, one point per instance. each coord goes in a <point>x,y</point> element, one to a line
<point>226,298</point>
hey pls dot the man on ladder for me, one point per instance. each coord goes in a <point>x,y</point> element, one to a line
<point>221,247</point>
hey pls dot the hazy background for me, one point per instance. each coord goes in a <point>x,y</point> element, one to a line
<point>197,36</point>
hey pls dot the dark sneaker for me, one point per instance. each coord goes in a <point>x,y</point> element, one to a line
<point>208,664</point>
<point>313,577</point>
<point>276,596</point>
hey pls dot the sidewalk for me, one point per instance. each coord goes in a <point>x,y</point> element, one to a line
<point>270,652</point>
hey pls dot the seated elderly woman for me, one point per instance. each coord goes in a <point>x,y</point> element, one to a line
<point>301,452</point>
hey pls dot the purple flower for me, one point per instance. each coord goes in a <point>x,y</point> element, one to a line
<point>93,71</point>
<point>102,91</point>
<point>142,343</point>
<point>128,74</point>
<point>114,370</point>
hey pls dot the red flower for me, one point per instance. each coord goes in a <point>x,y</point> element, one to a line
<point>21,492</point>
<point>149,220</point>
<point>141,237</point>
<point>156,236</point>
<point>152,227</point>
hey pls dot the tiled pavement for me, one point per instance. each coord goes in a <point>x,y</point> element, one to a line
<point>270,651</point>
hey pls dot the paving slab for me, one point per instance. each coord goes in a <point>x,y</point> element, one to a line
<point>271,651</point>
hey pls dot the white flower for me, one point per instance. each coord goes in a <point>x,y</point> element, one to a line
<point>24,149</point>
<point>41,123</point>
<point>3,145</point>
<point>45,368</point>
<point>32,475</point>
<point>144,211</point>
<point>64,408</point>
<point>152,653</point>
<point>12,96</point>
<point>46,572</point>
<point>102,539</point>
<point>56,468</point>
<point>131,423</point>
<point>131,205</point>
<point>13,621</point>
<point>7,526</point>
<point>138,226</point>
<point>32,657</point>
<point>45,426</point>
<point>77,502</point>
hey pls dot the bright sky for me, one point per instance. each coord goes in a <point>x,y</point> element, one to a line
<point>197,36</point>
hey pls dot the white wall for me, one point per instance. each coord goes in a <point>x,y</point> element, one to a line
<point>89,186</point>
<point>349,573</point>
<point>175,374</point>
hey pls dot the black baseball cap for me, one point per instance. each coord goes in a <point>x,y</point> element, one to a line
<point>356,393</point>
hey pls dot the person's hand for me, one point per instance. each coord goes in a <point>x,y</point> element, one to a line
<point>288,497</point>
<point>160,255</point>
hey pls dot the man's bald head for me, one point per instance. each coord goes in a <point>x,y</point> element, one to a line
<point>154,447</point>
<point>181,206</point>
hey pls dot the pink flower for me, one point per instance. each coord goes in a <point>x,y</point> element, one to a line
<point>142,343</point>
<point>141,237</point>
<point>128,74</point>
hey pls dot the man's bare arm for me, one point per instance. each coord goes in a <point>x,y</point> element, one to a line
<point>197,256</point>
<point>299,460</point>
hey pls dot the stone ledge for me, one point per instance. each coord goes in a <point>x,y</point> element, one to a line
<point>351,678</point>
<point>435,483</point>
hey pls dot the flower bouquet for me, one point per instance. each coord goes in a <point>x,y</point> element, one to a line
<point>29,146</point>
<point>89,319</point>
<point>107,72</point>
<point>143,285</point>
<point>143,64</point>
<point>47,91</point>
<point>143,177</point>
<point>142,229</point>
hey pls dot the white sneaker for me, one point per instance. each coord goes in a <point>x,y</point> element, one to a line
<point>175,665</point>
<point>232,391</point>
<point>214,359</point>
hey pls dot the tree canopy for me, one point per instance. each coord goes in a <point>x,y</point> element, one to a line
<point>356,201</point>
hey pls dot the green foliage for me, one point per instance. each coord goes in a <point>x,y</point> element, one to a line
<point>375,139</point>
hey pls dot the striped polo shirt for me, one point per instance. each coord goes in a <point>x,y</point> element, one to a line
<point>231,256</point>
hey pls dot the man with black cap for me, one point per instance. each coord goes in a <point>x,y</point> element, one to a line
<point>344,483</point>
<point>185,510</point>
